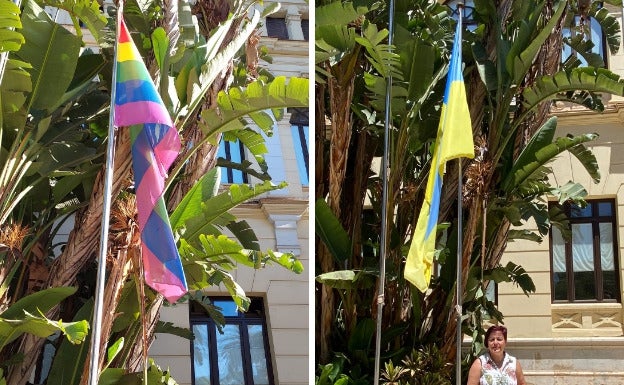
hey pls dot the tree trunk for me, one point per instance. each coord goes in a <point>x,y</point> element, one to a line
<point>80,250</point>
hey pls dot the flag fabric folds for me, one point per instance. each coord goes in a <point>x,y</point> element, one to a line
<point>155,145</point>
<point>454,140</point>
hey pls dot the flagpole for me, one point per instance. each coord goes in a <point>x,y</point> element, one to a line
<point>458,285</point>
<point>96,331</point>
<point>384,205</point>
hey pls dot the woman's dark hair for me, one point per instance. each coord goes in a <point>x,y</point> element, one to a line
<point>495,328</point>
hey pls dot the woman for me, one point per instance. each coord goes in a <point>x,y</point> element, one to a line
<point>496,367</point>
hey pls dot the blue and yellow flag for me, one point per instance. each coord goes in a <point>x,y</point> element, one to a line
<point>454,140</point>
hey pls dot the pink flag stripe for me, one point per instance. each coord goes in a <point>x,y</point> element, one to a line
<point>141,112</point>
<point>162,279</point>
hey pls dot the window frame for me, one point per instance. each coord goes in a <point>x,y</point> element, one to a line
<point>256,315</point>
<point>601,46</point>
<point>595,219</point>
<point>230,175</point>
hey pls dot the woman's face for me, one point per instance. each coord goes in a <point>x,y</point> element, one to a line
<point>496,342</point>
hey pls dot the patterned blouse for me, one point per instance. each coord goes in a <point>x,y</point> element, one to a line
<point>491,374</point>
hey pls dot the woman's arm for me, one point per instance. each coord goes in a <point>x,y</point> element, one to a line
<point>520,374</point>
<point>475,373</point>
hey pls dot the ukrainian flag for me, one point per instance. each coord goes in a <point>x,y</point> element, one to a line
<point>454,140</point>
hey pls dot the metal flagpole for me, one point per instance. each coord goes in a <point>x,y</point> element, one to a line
<point>384,208</point>
<point>458,285</point>
<point>96,331</point>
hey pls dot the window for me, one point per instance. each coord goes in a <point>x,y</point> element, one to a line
<point>233,152</point>
<point>305,27</point>
<point>276,27</point>
<point>237,356</point>
<point>584,29</point>
<point>300,135</point>
<point>584,269</point>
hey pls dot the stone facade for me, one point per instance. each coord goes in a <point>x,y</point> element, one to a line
<point>572,343</point>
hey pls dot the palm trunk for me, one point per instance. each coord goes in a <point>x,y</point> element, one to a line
<point>78,252</point>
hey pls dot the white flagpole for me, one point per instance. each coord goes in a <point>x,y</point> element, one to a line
<point>96,328</point>
<point>384,204</point>
<point>458,285</point>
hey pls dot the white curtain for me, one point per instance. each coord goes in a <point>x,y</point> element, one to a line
<point>582,247</point>
<point>558,251</point>
<point>606,247</point>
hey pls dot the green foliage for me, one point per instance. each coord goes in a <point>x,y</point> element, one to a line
<point>505,52</point>
<point>331,232</point>
<point>51,73</point>
<point>53,121</point>
<point>19,319</point>
<point>69,359</point>
<point>87,11</point>
<point>10,39</point>
<point>423,366</point>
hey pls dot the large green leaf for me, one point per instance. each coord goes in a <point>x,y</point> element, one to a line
<point>191,204</point>
<point>215,210</point>
<point>333,43</point>
<point>88,11</point>
<point>245,234</point>
<point>53,53</point>
<point>338,13</point>
<point>331,232</point>
<point>40,326</point>
<point>69,359</point>
<point>551,87</point>
<point>523,55</point>
<point>541,150</point>
<point>88,67</point>
<point>169,328</point>
<point>217,58</point>
<point>380,55</point>
<point>10,39</point>
<point>609,25</point>
<point>43,301</point>
<point>256,97</point>
<point>584,48</point>
<point>347,279</point>
<point>15,87</point>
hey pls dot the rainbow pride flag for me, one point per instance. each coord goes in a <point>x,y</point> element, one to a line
<point>155,145</point>
<point>454,140</point>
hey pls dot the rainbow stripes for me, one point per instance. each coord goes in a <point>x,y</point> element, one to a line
<point>454,140</point>
<point>155,145</point>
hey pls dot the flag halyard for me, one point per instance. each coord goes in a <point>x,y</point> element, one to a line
<point>155,145</point>
<point>453,140</point>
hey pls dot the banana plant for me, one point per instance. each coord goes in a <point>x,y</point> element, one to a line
<point>27,316</point>
<point>513,73</point>
<point>52,139</point>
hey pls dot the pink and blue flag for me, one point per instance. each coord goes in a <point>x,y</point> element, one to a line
<point>155,145</point>
<point>454,140</point>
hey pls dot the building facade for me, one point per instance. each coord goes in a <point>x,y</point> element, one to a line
<point>570,330</point>
<point>270,343</point>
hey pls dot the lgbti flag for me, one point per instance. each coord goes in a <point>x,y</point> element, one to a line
<point>155,145</point>
<point>454,140</point>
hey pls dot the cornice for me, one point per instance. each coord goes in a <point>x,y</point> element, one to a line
<point>575,115</point>
<point>286,47</point>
